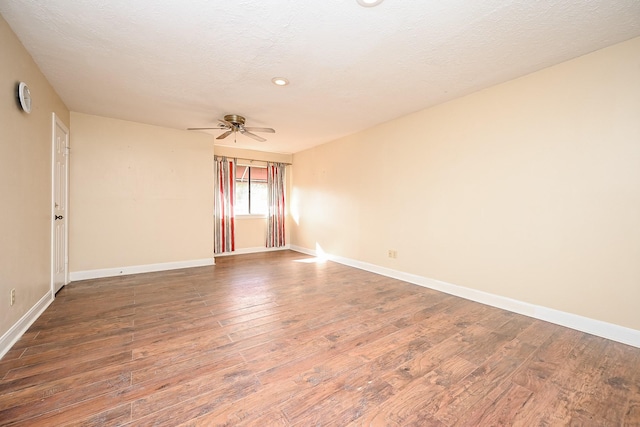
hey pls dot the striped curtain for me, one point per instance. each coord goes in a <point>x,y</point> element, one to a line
<point>224,195</point>
<point>275,185</point>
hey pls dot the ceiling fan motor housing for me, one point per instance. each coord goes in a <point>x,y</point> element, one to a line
<point>234,119</point>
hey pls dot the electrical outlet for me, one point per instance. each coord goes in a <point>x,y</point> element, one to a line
<point>393,253</point>
<point>13,296</point>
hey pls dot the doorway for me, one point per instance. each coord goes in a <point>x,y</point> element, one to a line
<point>59,196</point>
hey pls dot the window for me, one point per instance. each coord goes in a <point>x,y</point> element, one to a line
<point>251,191</point>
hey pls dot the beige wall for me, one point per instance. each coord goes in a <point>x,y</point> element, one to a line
<point>25,181</point>
<point>139,194</point>
<point>251,232</point>
<point>528,190</point>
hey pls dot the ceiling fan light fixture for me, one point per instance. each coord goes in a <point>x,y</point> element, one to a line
<point>369,3</point>
<point>280,81</point>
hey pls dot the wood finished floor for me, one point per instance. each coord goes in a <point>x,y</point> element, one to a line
<point>265,340</point>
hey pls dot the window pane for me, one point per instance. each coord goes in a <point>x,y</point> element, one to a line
<point>259,197</point>
<point>241,207</point>
<point>242,173</point>
<point>259,174</point>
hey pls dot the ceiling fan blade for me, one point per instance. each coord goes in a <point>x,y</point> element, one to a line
<point>254,136</point>
<point>253,129</point>
<point>219,127</point>
<point>224,135</point>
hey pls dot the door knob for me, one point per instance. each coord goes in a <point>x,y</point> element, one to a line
<point>59,217</point>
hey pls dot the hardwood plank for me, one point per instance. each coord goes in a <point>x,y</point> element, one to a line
<point>20,405</point>
<point>340,401</point>
<point>418,396</point>
<point>498,408</point>
<point>546,360</point>
<point>119,415</point>
<point>209,378</point>
<point>551,404</point>
<point>497,368</point>
<point>29,375</point>
<point>257,409</point>
<point>201,404</point>
<point>537,333</point>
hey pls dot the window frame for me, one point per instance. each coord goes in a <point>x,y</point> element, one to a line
<point>249,215</point>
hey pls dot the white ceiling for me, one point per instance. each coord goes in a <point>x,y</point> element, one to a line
<point>186,63</point>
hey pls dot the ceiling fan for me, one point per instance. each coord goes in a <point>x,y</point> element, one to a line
<point>233,124</point>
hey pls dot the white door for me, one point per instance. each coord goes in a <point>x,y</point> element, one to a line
<point>60,175</point>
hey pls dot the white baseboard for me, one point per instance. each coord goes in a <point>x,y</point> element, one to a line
<point>584,324</point>
<point>135,269</point>
<point>255,250</point>
<point>20,327</point>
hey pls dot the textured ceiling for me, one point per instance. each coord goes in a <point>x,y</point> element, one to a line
<point>185,64</point>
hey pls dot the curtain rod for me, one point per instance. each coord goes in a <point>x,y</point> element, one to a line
<point>251,160</point>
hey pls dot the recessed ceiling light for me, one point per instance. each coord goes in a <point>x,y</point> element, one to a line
<point>280,81</point>
<point>369,3</point>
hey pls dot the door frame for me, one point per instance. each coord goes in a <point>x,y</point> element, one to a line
<point>55,121</point>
